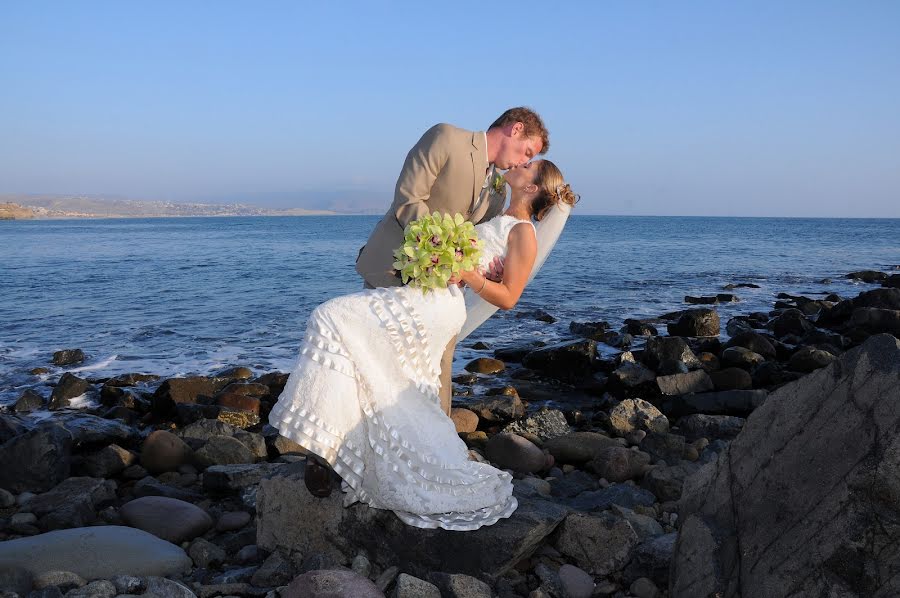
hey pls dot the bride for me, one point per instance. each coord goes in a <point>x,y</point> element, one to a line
<point>363,395</point>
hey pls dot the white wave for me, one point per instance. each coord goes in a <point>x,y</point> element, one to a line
<point>95,366</point>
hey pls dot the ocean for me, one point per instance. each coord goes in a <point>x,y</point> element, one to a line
<point>177,296</point>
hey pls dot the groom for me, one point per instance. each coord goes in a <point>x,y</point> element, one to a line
<point>450,170</point>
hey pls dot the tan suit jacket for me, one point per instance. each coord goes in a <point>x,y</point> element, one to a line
<point>443,172</point>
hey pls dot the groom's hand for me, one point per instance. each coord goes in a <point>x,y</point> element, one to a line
<point>495,270</point>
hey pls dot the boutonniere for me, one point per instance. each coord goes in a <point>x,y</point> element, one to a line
<point>498,185</point>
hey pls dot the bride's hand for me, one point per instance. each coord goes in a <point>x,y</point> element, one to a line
<point>495,270</point>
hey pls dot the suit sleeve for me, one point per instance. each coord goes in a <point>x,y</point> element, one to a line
<point>422,167</point>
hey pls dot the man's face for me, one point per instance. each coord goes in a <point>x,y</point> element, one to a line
<point>517,149</point>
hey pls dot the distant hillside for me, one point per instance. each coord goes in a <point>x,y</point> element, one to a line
<point>12,211</point>
<point>61,206</point>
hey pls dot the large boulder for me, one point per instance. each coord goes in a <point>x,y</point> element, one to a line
<point>663,349</point>
<point>98,552</point>
<point>290,518</point>
<point>68,387</point>
<point>817,465</point>
<point>36,460</point>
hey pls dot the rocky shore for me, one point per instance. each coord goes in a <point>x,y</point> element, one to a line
<point>684,466</point>
<point>12,211</point>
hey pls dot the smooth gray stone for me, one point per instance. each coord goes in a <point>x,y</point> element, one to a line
<point>98,552</point>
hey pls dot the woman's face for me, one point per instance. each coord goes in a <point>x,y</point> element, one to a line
<point>522,176</point>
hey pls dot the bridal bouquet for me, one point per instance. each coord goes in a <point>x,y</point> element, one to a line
<point>435,247</point>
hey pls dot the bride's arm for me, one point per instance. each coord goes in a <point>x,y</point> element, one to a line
<point>520,254</point>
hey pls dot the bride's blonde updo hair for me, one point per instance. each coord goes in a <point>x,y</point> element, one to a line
<point>552,189</point>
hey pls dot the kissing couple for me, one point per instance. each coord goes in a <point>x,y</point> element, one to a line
<point>369,396</point>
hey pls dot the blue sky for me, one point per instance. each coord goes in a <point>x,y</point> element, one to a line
<point>688,108</point>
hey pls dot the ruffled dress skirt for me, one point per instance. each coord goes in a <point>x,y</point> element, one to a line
<point>363,395</point>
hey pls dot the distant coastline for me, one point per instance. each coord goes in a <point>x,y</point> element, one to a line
<point>59,208</point>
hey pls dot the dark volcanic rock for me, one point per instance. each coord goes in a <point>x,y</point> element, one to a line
<point>679,384</point>
<point>638,328</point>
<point>668,348</point>
<point>68,387</point>
<point>710,426</point>
<point>791,321</point>
<point>695,322</point>
<point>731,379</point>
<point>92,430</point>
<point>485,365</point>
<point>875,320</point>
<point>29,401</point>
<point>569,362</point>
<point>809,359</point>
<point>815,479</point>
<point>753,341</point>
<point>867,275</point>
<point>292,519</point>
<point>593,330</point>
<point>68,357</point>
<point>36,460</point>
<point>72,503</point>
<point>724,402</point>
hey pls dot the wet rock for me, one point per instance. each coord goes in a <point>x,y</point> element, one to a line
<point>29,401</point>
<point>572,484</point>
<point>107,462</point>
<point>545,424</point>
<point>515,354</point>
<point>132,379</point>
<point>235,373</point>
<point>618,464</point>
<point>167,518</point>
<point>668,348</point>
<point>637,414</point>
<point>592,330</point>
<point>867,275</point>
<point>328,583</point>
<point>99,552</point>
<point>671,367</point>
<point>37,460</point>
<point>599,544</point>
<point>731,378</point>
<point>17,579</point>
<point>638,328</point>
<point>68,387</point>
<point>578,447</point>
<point>710,426</point>
<point>68,357</point>
<point>695,322</point>
<point>707,300</point>
<point>536,314</point>
<point>163,451</point>
<point>678,384</point>
<point>569,361</point>
<point>232,520</point>
<point>276,382</point>
<point>770,374</point>
<point>833,478</point>
<point>485,365</point>
<point>464,420</point>
<point>460,586</point>
<point>511,451</point>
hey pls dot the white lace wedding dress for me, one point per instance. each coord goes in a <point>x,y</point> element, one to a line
<point>363,395</point>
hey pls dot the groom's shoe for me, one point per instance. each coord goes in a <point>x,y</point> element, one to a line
<point>317,477</point>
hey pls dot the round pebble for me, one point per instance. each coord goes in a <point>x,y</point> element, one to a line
<point>232,520</point>
<point>644,588</point>
<point>6,499</point>
<point>576,582</point>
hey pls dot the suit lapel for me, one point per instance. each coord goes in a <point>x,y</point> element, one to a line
<point>479,159</point>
